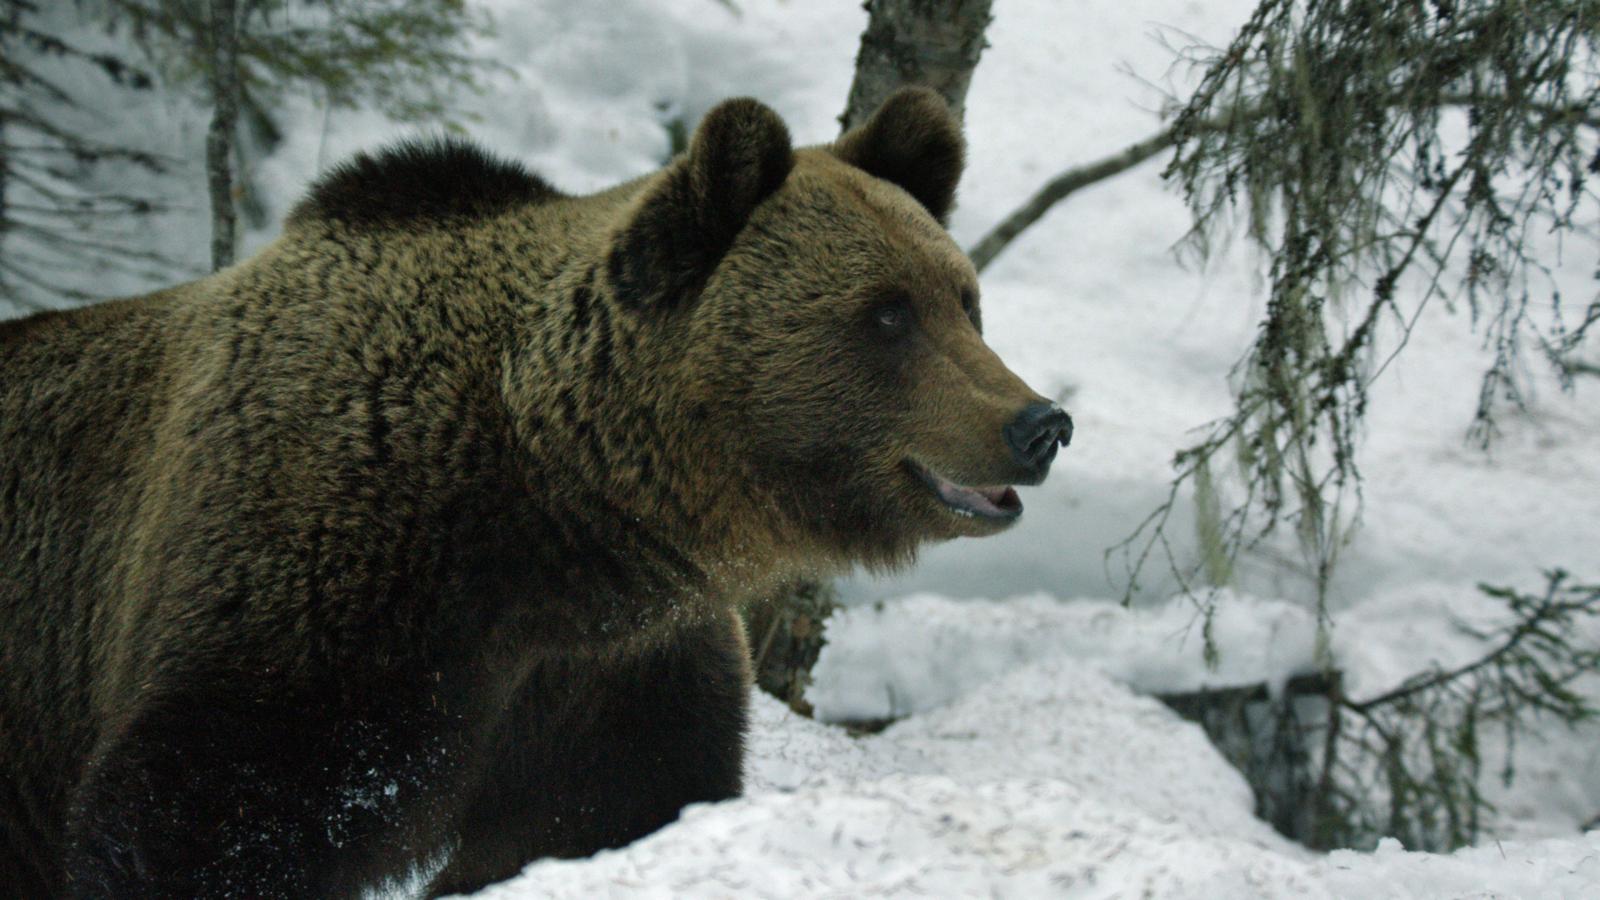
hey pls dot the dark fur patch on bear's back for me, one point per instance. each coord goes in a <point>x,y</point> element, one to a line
<point>428,180</point>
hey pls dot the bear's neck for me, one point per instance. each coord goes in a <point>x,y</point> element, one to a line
<point>606,415</point>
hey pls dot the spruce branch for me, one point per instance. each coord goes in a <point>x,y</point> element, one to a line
<point>1407,763</point>
<point>1084,175</point>
<point>1542,625</point>
<point>1322,126</point>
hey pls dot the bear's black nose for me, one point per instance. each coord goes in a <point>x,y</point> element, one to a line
<point>1034,435</point>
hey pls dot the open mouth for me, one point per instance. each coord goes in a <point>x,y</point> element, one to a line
<point>1000,502</point>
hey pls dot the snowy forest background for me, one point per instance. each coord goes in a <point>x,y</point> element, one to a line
<point>1352,453</point>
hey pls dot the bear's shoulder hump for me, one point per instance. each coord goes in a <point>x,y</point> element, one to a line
<point>421,180</point>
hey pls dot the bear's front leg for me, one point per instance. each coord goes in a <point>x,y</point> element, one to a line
<point>210,793</point>
<point>596,753</point>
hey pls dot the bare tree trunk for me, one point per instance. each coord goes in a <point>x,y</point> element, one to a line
<point>785,636</point>
<point>224,127</point>
<point>5,218</point>
<point>13,13</point>
<point>928,42</point>
<point>1273,738</point>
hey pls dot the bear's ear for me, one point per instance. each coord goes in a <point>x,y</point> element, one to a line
<point>739,155</point>
<point>914,141</point>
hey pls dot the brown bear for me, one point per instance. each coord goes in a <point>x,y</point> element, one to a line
<point>411,547</point>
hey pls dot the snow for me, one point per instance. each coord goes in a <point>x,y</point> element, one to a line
<point>1052,781</point>
<point>920,652</point>
<point>1054,778</point>
<point>1028,763</point>
<point>916,654</point>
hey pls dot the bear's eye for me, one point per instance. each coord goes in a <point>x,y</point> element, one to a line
<point>891,316</point>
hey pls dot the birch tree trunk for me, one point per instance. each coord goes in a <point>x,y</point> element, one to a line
<point>935,43</point>
<point>5,217</point>
<point>224,126</point>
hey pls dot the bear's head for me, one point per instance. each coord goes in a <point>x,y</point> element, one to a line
<point>830,329</point>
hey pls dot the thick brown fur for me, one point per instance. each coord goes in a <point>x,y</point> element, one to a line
<point>416,538</point>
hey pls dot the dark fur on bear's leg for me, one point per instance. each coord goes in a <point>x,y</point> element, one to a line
<point>21,880</point>
<point>210,796</point>
<point>593,757</point>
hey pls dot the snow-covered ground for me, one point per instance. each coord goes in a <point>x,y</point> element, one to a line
<point>1053,781</point>
<point>1029,765</point>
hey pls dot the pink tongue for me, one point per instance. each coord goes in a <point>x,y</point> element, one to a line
<point>995,495</point>
<point>985,500</point>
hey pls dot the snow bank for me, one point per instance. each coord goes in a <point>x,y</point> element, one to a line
<point>1029,767</point>
<point>1051,781</point>
<point>1567,868</point>
<point>919,653</point>
<point>1051,778</point>
<point>916,653</point>
<point>916,835</point>
<point>910,654</point>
